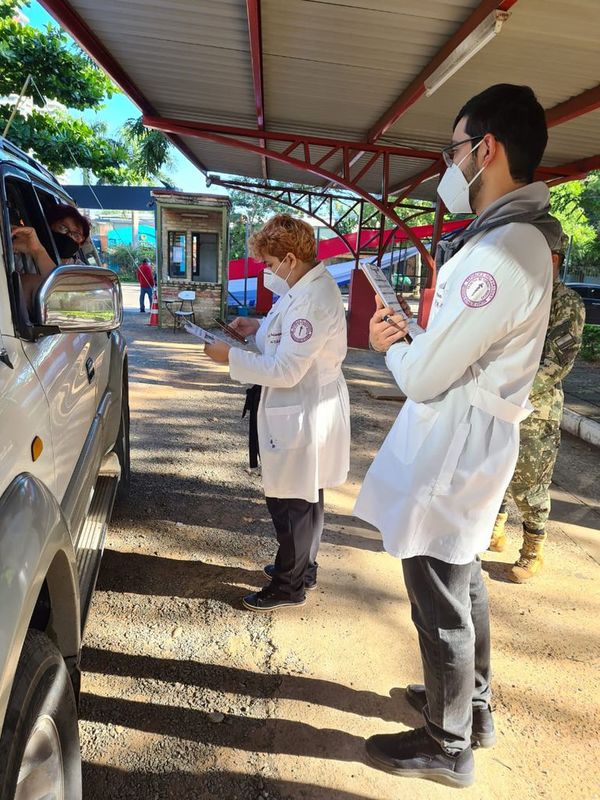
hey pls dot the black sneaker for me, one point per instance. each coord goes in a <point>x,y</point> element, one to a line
<point>482,734</point>
<point>269,571</point>
<point>268,601</point>
<point>414,754</point>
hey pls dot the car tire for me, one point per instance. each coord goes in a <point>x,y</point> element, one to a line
<point>39,746</point>
<point>122,448</point>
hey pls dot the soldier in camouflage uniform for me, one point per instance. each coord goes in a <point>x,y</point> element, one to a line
<point>540,432</point>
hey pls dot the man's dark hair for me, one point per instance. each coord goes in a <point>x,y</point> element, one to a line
<point>515,117</point>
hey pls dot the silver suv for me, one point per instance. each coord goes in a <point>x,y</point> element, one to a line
<point>64,456</point>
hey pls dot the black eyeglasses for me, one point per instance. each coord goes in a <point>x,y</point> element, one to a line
<point>448,152</point>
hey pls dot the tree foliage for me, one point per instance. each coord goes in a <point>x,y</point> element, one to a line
<point>124,258</point>
<point>61,71</point>
<point>577,205</point>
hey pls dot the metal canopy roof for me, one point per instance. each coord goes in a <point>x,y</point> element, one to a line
<point>337,87</point>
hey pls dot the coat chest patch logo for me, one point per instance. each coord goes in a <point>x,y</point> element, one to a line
<point>301,330</point>
<point>478,289</point>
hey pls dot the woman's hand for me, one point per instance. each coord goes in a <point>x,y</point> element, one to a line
<point>25,240</point>
<point>218,352</point>
<point>245,326</point>
<point>384,334</point>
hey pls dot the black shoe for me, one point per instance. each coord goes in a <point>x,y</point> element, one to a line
<point>268,601</point>
<point>269,571</point>
<point>414,754</point>
<point>482,734</point>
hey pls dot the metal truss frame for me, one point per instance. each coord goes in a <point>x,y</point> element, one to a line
<point>321,206</point>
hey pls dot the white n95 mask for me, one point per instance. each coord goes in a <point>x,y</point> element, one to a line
<point>274,282</point>
<point>453,189</point>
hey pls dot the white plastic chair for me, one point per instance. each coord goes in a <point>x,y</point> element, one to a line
<point>180,315</point>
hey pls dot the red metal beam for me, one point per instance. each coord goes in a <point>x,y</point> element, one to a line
<point>406,187</point>
<point>574,170</point>
<point>88,41</point>
<point>294,199</point>
<point>416,88</point>
<point>222,135</point>
<point>581,104</point>
<point>255,36</point>
<point>202,129</point>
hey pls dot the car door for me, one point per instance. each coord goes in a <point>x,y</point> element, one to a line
<point>593,305</point>
<point>62,363</point>
<point>98,355</point>
<point>25,436</point>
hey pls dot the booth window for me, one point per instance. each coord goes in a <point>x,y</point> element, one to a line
<point>205,267</point>
<point>177,246</point>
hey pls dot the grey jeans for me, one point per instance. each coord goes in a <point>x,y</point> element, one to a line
<point>449,606</point>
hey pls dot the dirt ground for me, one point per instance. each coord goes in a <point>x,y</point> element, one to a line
<point>187,695</point>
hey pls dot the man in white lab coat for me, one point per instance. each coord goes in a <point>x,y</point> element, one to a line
<point>434,488</point>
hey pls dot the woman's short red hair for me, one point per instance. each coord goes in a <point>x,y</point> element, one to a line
<point>284,234</point>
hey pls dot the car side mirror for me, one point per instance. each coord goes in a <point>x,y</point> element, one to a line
<point>78,298</point>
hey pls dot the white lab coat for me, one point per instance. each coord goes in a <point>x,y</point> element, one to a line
<point>437,483</point>
<point>304,410</point>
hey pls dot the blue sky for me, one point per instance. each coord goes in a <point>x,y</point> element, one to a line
<point>118,109</point>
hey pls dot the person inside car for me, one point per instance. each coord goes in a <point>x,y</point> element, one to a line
<point>70,230</point>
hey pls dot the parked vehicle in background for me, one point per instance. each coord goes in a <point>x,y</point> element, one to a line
<point>64,455</point>
<point>590,294</point>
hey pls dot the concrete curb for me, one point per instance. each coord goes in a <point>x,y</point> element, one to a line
<point>577,425</point>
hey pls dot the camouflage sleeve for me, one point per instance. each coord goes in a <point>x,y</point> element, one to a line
<point>563,342</point>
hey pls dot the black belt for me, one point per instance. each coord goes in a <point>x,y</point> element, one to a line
<point>251,406</point>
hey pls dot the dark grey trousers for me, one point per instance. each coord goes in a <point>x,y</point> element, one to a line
<point>449,605</point>
<point>299,526</point>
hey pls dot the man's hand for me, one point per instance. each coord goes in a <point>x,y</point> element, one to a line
<point>245,326</point>
<point>384,334</point>
<point>218,351</point>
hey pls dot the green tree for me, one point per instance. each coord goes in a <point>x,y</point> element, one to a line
<point>124,259</point>
<point>63,73</point>
<point>577,205</point>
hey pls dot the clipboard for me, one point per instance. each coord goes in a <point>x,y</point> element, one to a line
<point>383,289</point>
<point>230,331</point>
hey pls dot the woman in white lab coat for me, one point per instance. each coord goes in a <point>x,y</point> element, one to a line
<point>303,413</point>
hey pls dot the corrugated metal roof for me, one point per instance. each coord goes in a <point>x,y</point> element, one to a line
<point>549,45</point>
<point>334,67</point>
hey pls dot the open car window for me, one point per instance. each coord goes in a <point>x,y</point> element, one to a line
<point>24,211</point>
<point>87,252</point>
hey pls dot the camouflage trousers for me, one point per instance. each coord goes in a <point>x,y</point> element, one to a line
<point>530,484</point>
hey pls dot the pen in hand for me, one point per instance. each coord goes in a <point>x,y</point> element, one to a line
<point>391,322</point>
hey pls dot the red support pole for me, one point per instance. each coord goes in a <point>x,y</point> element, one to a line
<point>255,37</point>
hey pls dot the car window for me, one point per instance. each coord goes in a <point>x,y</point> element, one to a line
<point>24,211</point>
<point>86,253</point>
<point>594,292</point>
<point>581,290</point>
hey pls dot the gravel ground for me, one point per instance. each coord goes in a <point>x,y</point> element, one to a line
<point>186,695</point>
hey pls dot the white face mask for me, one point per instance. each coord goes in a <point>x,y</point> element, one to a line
<point>274,282</point>
<point>453,189</point>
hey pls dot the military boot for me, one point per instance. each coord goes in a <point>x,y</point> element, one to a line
<point>498,541</point>
<point>531,558</point>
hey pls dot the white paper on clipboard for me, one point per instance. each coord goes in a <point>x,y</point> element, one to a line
<point>200,333</point>
<point>383,288</point>
<point>376,277</point>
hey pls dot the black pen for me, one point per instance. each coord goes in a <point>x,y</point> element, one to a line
<point>390,321</point>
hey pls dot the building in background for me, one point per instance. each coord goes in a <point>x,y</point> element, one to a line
<point>192,251</point>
